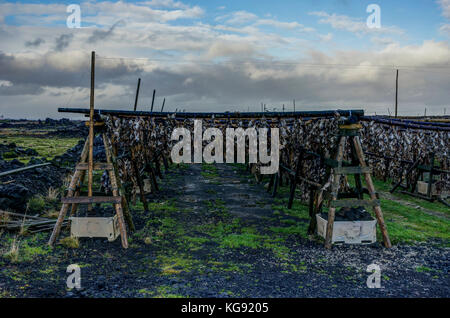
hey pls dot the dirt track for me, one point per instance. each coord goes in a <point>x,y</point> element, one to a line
<point>187,255</point>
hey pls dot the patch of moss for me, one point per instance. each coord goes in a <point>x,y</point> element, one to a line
<point>70,242</point>
<point>36,204</point>
<point>175,264</point>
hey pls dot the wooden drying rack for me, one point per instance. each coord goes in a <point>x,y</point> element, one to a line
<point>86,163</point>
<point>338,168</point>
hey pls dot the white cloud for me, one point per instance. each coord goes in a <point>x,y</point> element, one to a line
<point>283,25</point>
<point>237,18</point>
<point>326,38</point>
<point>382,40</point>
<point>183,61</point>
<point>445,5</point>
<point>445,29</point>
<point>227,49</point>
<point>354,25</point>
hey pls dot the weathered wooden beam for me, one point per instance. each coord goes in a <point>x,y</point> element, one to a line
<point>96,166</point>
<point>91,200</point>
<point>6,173</point>
<point>353,170</point>
<point>354,203</point>
<point>319,114</point>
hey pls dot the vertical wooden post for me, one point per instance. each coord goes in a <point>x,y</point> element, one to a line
<point>115,192</point>
<point>294,180</point>
<point>371,188</point>
<point>272,177</point>
<point>139,180</point>
<point>355,162</point>
<point>70,193</point>
<point>153,99</point>
<point>396,95</point>
<point>430,175</point>
<point>387,164</point>
<point>110,158</point>
<point>334,194</point>
<point>275,185</point>
<point>137,94</point>
<point>91,129</point>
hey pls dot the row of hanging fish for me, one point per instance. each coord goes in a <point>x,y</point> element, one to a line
<point>142,140</point>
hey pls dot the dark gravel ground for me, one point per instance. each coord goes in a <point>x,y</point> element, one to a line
<point>183,259</point>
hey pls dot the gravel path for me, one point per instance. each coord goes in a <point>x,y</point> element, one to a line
<point>183,259</point>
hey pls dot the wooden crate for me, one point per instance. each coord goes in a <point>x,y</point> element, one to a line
<point>422,188</point>
<point>349,232</point>
<point>107,227</point>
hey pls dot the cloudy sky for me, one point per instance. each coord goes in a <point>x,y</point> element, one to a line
<point>219,55</point>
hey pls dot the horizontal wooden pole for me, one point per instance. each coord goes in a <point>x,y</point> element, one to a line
<point>89,200</point>
<point>97,166</point>
<point>354,203</point>
<point>5,173</point>
<point>323,113</point>
<point>353,170</point>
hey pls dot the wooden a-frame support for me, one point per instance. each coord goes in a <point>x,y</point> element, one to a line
<point>351,132</point>
<point>337,168</point>
<point>86,163</point>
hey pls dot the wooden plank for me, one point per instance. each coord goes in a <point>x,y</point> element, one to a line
<point>110,153</point>
<point>354,203</point>
<point>334,163</point>
<point>65,207</point>
<point>97,166</point>
<point>294,180</point>
<point>334,191</point>
<point>114,186</point>
<point>96,124</point>
<point>91,129</point>
<point>5,173</point>
<point>353,170</point>
<point>371,188</point>
<point>351,126</point>
<point>90,200</point>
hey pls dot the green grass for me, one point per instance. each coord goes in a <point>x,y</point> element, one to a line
<point>408,225</point>
<point>423,269</point>
<point>26,250</point>
<point>45,147</point>
<point>209,171</point>
<point>241,240</point>
<point>162,291</point>
<point>405,224</point>
<point>36,204</point>
<point>435,206</point>
<point>176,263</point>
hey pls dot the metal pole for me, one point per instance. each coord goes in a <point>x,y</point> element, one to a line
<point>322,113</point>
<point>91,128</point>
<point>137,94</point>
<point>396,95</point>
<point>162,107</point>
<point>153,99</point>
